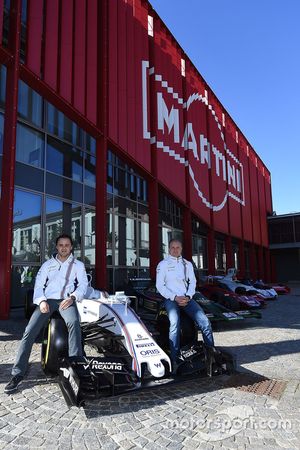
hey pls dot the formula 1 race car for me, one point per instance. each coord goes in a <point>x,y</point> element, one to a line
<point>236,286</point>
<point>121,354</point>
<point>280,289</point>
<point>149,301</point>
<point>239,301</point>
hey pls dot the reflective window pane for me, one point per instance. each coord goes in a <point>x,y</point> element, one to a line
<point>22,279</point>
<point>29,177</point>
<point>30,104</point>
<point>143,256</point>
<point>26,227</point>
<point>90,144</point>
<point>90,236</point>
<point>90,170</point>
<point>2,85</point>
<point>125,232</point>
<point>199,248</point>
<point>30,146</point>
<point>62,187</point>
<point>1,133</point>
<point>61,126</point>
<point>64,160</point>
<point>62,217</point>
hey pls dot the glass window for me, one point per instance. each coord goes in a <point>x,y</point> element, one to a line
<point>2,85</point>
<point>64,160</point>
<point>26,227</point>
<point>235,255</point>
<point>61,126</point>
<point>23,30</point>
<point>220,256</point>
<point>29,177</point>
<point>62,187</point>
<point>30,104</point>
<point>22,279</point>
<point>110,240</point>
<point>5,29</point>
<point>89,236</point>
<point>30,146</point>
<point>125,232</point>
<point>62,217</point>
<point>90,170</point>
<point>90,144</point>
<point>199,252</point>
<point>1,132</point>
<point>143,258</point>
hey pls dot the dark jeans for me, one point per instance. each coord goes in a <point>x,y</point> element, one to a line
<point>37,321</point>
<point>193,310</point>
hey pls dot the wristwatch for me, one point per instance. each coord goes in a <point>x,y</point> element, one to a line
<point>73,298</point>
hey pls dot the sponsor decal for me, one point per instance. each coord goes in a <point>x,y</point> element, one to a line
<point>94,364</point>
<point>67,374</point>
<point>188,353</point>
<point>146,344</point>
<point>187,137</point>
<point>140,337</point>
<point>154,351</point>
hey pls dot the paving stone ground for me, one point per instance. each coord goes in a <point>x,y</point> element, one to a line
<point>204,414</point>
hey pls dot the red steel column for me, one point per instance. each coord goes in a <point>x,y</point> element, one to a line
<point>153,227</point>
<point>8,161</point>
<point>101,158</point>
<point>211,249</point>
<point>241,259</point>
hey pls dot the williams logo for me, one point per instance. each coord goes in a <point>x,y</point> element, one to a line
<point>179,134</point>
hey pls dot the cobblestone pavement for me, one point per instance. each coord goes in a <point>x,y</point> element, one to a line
<point>206,413</point>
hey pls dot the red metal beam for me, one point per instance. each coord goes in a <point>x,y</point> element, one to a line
<point>8,161</point>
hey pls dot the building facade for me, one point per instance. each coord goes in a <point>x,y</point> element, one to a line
<point>108,132</point>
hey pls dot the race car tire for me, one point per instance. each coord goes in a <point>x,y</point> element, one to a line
<point>54,344</point>
<point>252,292</point>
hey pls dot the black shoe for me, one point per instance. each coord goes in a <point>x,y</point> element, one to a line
<point>13,384</point>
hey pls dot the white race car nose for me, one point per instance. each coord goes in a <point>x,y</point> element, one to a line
<point>156,368</point>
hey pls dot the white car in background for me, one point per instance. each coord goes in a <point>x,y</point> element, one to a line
<point>238,287</point>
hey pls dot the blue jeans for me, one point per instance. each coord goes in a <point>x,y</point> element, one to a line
<point>37,321</point>
<point>196,313</point>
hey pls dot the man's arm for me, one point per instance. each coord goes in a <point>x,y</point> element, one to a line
<point>160,282</point>
<point>82,282</point>
<point>191,277</point>
<point>40,281</point>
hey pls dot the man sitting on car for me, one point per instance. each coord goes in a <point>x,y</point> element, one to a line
<point>176,282</point>
<point>60,282</point>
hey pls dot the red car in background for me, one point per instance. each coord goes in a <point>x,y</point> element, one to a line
<point>217,291</point>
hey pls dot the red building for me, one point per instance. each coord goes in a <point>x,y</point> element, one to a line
<point>110,133</point>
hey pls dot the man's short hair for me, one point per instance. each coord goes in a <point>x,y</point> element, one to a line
<point>64,236</point>
<point>175,240</point>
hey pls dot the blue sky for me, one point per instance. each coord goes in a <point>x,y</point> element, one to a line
<point>249,54</point>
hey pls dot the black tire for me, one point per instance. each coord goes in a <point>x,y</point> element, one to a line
<point>252,292</point>
<point>241,290</point>
<point>54,344</point>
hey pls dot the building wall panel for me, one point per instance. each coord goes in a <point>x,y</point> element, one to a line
<point>34,36</point>
<point>246,208</point>
<point>1,18</point>
<point>66,50</point>
<point>254,197</point>
<point>217,171</point>
<point>234,179</point>
<point>198,167</point>
<point>262,204</point>
<point>79,68</point>
<point>91,64</point>
<point>51,43</point>
<point>113,70</point>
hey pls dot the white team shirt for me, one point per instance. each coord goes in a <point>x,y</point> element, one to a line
<point>51,279</point>
<point>172,279</point>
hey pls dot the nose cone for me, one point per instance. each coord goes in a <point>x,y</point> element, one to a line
<point>156,368</point>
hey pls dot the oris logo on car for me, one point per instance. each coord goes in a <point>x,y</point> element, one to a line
<point>179,132</point>
<point>155,351</point>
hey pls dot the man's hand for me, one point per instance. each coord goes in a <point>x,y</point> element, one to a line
<point>66,303</point>
<point>44,307</point>
<point>181,300</point>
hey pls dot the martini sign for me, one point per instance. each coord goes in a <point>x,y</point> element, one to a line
<point>175,126</point>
